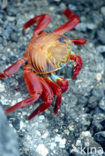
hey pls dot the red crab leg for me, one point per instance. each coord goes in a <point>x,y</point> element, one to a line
<point>47,96</point>
<point>72,23</point>
<point>34,88</point>
<point>78,64</point>
<point>80,41</point>
<point>12,69</point>
<point>42,22</point>
<point>57,91</point>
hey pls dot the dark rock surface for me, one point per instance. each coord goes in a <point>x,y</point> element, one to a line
<point>8,141</point>
<point>80,123</point>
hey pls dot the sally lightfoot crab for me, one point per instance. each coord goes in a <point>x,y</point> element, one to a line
<point>45,54</point>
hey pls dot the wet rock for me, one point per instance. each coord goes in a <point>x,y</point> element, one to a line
<point>4,4</point>
<point>96,18</point>
<point>103,10</point>
<point>8,141</point>
<point>82,27</point>
<point>103,54</point>
<point>14,37</point>
<point>97,4</point>
<point>101,35</point>
<point>72,7</point>
<point>98,92</point>
<point>100,137</point>
<point>98,120</point>
<point>102,104</point>
<point>100,48</point>
<point>92,102</point>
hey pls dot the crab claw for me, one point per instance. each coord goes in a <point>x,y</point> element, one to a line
<point>78,65</point>
<point>61,82</point>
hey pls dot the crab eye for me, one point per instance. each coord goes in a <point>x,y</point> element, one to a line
<point>62,40</point>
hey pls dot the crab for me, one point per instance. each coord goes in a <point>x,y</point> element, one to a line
<point>45,54</point>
